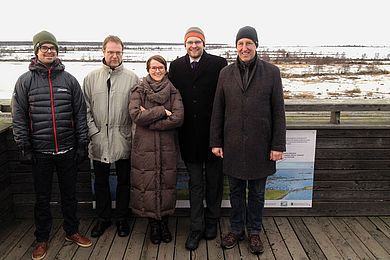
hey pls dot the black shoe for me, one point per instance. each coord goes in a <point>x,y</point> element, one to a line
<point>155,231</point>
<point>166,235</point>
<point>100,227</point>
<point>210,231</point>
<point>123,228</point>
<point>193,240</point>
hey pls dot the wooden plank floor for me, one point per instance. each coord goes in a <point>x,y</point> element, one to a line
<point>283,237</point>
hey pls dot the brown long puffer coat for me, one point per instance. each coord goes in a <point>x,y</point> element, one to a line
<point>155,147</point>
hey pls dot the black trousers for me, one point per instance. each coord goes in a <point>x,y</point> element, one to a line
<point>208,186</point>
<point>42,169</point>
<point>102,189</point>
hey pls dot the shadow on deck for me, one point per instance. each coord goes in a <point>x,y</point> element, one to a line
<point>283,237</point>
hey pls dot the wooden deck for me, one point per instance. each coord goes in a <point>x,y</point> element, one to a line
<point>283,237</point>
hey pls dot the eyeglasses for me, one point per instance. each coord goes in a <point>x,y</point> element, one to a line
<point>155,68</point>
<point>192,42</point>
<point>117,53</point>
<point>45,49</point>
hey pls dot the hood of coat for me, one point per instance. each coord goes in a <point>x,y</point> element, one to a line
<point>36,65</point>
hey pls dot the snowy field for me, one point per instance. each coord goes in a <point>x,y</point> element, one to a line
<point>300,80</point>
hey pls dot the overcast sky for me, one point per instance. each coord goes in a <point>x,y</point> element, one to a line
<point>278,22</point>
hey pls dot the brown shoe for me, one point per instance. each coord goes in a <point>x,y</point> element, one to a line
<point>79,239</point>
<point>255,245</point>
<point>231,239</point>
<point>40,250</point>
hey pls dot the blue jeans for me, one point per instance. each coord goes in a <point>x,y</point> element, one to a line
<point>42,170</point>
<point>246,213</point>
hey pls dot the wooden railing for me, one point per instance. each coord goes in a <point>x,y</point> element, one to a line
<point>5,108</point>
<point>352,162</point>
<point>335,107</point>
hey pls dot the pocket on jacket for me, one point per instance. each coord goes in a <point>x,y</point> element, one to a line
<point>96,137</point>
<point>95,144</point>
<point>125,132</point>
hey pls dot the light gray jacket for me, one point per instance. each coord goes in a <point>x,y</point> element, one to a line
<point>107,95</point>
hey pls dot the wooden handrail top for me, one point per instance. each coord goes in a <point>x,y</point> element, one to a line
<point>337,105</point>
<point>5,108</point>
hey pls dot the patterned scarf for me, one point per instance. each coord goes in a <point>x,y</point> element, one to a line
<point>157,91</point>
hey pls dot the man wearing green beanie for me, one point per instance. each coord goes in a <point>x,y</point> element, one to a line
<point>44,37</point>
<point>50,129</point>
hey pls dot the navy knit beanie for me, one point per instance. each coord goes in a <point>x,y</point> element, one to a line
<point>247,32</point>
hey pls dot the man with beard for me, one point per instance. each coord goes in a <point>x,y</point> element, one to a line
<point>50,129</point>
<point>107,94</point>
<point>195,75</point>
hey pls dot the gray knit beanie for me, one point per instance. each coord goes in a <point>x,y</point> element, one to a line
<point>247,32</point>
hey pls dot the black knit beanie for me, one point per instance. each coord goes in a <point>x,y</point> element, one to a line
<point>247,32</point>
<point>44,37</point>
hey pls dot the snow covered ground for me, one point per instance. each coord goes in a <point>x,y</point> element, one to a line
<point>328,81</point>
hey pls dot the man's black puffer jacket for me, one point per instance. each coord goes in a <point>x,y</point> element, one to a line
<point>48,109</point>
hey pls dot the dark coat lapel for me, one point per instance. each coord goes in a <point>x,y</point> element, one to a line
<point>203,64</point>
<point>237,77</point>
<point>259,68</point>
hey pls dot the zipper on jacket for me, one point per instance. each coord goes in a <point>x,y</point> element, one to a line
<point>31,123</point>
<point>53,112</point>
<point>108,103</point>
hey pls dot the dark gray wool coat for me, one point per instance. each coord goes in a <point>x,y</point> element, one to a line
<point>249,123</point>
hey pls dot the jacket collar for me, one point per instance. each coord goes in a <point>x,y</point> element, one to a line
<point>203,64</point>
<point>36,65</point>
<point>110,70</point>
<point>258,68</point>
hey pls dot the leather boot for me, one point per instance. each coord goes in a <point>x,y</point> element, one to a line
<point>155,231</point>
<point>100,227</point>
<point>123,228</point>
<point>166,235</point>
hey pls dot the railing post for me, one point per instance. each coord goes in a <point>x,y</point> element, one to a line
<point>335,117</point>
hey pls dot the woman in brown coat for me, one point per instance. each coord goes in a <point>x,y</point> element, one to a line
<point>157,110</point>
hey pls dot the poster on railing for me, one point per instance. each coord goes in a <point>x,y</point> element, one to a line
<point>290,186</point>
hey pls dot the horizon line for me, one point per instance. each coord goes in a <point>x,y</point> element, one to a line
<point>20,42</point>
